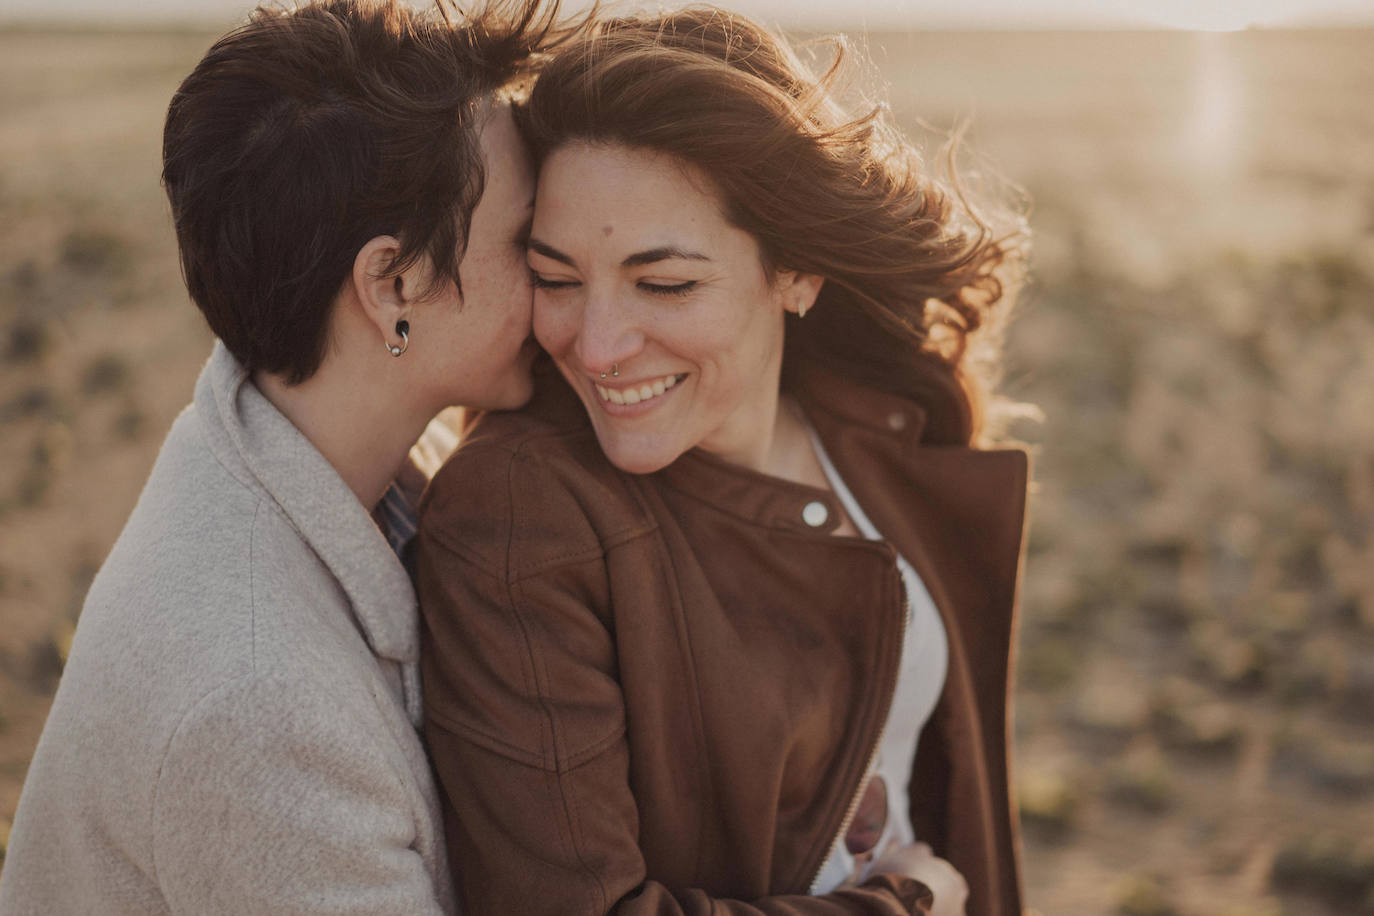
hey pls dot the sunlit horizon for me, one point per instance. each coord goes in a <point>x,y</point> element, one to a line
<point>1224,15</point>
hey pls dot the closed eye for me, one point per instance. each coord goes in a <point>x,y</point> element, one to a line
<point>540,282</point>
<point>675,289</point>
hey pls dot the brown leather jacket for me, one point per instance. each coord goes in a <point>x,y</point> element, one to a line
<point>659,693</point>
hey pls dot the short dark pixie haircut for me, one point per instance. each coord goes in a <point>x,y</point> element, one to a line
<point>308,131</point>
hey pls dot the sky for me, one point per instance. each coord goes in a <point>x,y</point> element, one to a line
<point>876,14</point>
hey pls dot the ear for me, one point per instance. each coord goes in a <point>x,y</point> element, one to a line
<point>384,299</point>
<point>798,290</point>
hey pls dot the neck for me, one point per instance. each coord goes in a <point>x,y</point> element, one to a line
<point>362,429</point>
<point>790,455</point>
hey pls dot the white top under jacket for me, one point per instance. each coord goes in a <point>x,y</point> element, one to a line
<point>920,681</point>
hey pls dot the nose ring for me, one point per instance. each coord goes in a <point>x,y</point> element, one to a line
<point>615,371</point>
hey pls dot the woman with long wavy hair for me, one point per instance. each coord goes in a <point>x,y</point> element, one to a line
<point>721,622</point>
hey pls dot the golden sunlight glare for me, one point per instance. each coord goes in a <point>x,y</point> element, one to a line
<point>1212,136</point>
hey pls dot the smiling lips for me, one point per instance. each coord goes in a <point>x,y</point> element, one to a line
<point>637,395</point>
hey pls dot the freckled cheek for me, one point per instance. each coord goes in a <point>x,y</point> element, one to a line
<point>729,369</point>
<point>554,327</point>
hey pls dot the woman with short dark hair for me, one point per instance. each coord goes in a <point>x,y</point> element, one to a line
<point>235,730</point>
<point>721,622</point>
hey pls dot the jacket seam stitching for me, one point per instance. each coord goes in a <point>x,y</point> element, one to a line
<point>484,739</point>
<point>520,756</point>
<point>536,672</point>
<point>577,759</point>
<point>572,808</point>
<point>437,535</point>
<point>675,589</point>
<point>522,573</point>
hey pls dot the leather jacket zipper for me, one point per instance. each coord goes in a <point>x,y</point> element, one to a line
<point>890,692</point>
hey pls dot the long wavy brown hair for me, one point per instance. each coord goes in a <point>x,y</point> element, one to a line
<point>918,278</point>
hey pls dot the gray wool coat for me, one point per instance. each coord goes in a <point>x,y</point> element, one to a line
<point>235,731</point>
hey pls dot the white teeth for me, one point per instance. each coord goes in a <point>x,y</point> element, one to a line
<point>635,395</point>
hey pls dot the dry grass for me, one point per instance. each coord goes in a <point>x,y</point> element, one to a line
<point>1197,663</point>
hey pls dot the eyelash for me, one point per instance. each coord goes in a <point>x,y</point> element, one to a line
<point>677,289</point>
<point>539,282</point>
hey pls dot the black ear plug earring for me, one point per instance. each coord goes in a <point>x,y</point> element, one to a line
<point>403,329</point>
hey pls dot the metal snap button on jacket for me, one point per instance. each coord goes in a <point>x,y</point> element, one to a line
<point>815,514</point>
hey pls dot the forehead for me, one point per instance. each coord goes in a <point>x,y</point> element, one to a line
<point>624,190</point>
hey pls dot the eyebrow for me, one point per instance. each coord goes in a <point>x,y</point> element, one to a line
<point>661,254</point>
<point>637,259</point>
<point>549,251</point>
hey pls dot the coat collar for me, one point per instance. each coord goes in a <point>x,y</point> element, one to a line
<point>956,512</point>
<point>266,453</point>
<point>898,419</point>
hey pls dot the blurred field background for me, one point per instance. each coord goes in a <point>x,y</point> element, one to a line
<point>1195,716</point>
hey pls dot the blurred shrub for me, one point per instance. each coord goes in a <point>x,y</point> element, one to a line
<point>1229,659</point>
<point>1187,719</point>
<point>1049,663</point>
<point>48,454</point>
<point>34,483</point>
<point>1139,895</point>
<point>1048,803</point>
<point>43,664</point>
<point>1266,906</point>
<point>28,341</point>
<point>1319,670</point>
<point>1327,763</point>
<point>1335,866</point>
<point>33,401</point>
<point>106,373</point>
<point>1142,780</point>
<point>1357,700</point>
<point>1112,711</point>
<point>94,251</point>
<point>130,424</point>
<point>24,278</point>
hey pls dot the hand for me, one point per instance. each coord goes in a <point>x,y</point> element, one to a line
<point>919,862</point>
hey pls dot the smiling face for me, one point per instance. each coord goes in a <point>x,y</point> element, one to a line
<point>637,272</point>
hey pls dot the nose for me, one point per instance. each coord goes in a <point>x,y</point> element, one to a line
<point>610,335</point>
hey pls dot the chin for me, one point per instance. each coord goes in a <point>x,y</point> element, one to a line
<point>638,461</point>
